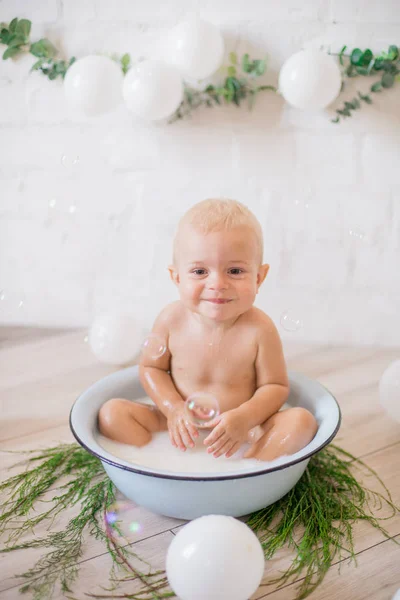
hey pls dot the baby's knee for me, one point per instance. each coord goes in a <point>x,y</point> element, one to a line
<point>304,420</point>
<point>109,412</point>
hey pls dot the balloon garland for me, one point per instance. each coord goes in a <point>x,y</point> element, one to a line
<point>156,89</point>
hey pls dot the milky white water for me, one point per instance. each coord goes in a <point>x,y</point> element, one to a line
<point>160,454</point>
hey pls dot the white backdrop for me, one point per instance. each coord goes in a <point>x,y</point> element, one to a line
<point>96,235</point>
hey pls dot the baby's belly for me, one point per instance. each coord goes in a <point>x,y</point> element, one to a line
<point>228,396</point>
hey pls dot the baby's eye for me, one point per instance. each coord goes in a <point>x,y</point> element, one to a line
<point>236,271</point>
<point>199,271</point>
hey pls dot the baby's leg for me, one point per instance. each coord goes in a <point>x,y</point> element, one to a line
<point>130,422</point>
<point>285,433</point>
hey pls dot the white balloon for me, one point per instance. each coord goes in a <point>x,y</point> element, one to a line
<point>215,558</point>
<point>310,80</point>
<point>196,48</point>
<point>153,90</point>
<point>389,390</point>
<point>115,339</point>
<point>92,85</point>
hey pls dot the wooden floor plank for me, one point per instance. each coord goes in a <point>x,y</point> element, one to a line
<point>376,577</point>
<point>94,574</point>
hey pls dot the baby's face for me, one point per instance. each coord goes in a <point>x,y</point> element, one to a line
<point>218,274</point>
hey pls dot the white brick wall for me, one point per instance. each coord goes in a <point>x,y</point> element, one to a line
<point>327,196</point>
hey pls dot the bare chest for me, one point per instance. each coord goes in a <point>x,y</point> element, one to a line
<point>215,359</point>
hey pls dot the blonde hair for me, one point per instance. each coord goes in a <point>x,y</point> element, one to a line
<point>219,214</point>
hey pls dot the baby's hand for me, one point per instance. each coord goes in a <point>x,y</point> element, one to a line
<point>182,433</point>
<point>229,433</point>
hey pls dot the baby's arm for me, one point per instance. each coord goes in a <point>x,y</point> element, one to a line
<point>272,380</point>
<point>158,385</point>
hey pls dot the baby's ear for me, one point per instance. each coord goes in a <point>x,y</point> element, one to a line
<point>173,273</point>
<point>262,273</point>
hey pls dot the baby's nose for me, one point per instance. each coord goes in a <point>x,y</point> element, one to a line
<point>218,282</point>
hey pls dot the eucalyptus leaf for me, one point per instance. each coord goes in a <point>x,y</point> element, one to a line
<point>23,27</point>
<point>356,56</point>
<point>16,40</point>
<point>376,87</point>
<point>393,52</point>
<point>366,57</point>
<point>370,66</point>
<point>260,66</point>
<point>125,62</point>
<point>37,64</point>
<point>246,63</point>
<point>43,49</point>
<point>231,71</point>
<point>233,58</point>
<point>10,52</point>
<point>4,36</point>
<point>13,25</point>
<point>378,64</point>
<point>387,80</point>
<point>341,54</point>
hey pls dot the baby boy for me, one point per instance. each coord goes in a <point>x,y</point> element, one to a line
<point>217,342</point>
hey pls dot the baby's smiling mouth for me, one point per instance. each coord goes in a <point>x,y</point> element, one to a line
<point>218,300</point>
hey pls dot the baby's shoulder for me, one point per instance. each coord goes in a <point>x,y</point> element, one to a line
<point>258,318</point>
<point>170,316</point>
<point>260,323</point>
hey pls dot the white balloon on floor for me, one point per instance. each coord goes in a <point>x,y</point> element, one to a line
<point>195,47</point>
<point>215,557</point>
<point>115,339</point>
<point>310,79</point>
<point>389,390</point>
<point>93,85</point>
<point>153,90</point>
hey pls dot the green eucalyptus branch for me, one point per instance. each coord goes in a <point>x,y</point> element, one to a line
<point>21,498</point>
<point>385,65</point>
<point>240,84</point>
<point>315,519</point>
<point>16,37</point>
<point>236,87</point>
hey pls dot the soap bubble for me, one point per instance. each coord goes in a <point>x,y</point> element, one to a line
<point>154,346</point>
<point>119,518</point>
<point>389,390</point>
<point>357,234</point>
<point>69,161</point>
<point>11,301</point>
<point>201,408</point>
<point>290,321</point>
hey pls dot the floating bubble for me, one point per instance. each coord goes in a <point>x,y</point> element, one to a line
<point>389,390</point>
<point>52,203</point>
<point>69,161</point>
<point>358,234</point>
<point>302,203</point>
<point>118,517</point>
<point>154,346</point>
<point>290,321</point>
<point>201,408</point>
<point>135,527</point>
<point>10,300</point>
